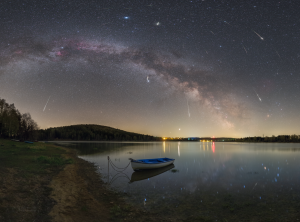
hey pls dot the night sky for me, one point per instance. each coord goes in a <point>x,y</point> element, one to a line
<point>164,68</point>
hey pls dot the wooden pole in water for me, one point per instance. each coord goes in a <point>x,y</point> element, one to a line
<point>108,169</point>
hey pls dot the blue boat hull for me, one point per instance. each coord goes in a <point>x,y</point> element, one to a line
<point>145,164</point>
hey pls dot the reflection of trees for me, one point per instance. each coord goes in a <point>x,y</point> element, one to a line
<point>96,147</point>
<point>276,149</point>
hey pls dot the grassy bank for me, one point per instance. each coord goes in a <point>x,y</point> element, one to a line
<point>44,182</point>
<point>25,173</point>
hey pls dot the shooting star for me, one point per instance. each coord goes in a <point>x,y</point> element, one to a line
<point>188,107</point>
<point>258,35</point>
<point>257,95</point>
<point>277,54</point>
<point>245,49</point>
<point>212,32</point>
<point>276,51</point>
<point>254,186</point>
<point>46,104</point>
<point>148,79</point>
<point>227,23</point>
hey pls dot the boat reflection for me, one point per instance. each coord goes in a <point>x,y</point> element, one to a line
<point>145,174</point>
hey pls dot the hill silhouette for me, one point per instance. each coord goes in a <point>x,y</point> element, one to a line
<point>90,132</point>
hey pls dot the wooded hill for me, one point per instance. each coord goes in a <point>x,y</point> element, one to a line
<point>89,132</point>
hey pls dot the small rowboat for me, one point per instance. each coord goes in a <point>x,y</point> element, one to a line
<point>147,164</point>
<point>146,174</point>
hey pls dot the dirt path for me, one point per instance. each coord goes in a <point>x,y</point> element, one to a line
<point>72,191</point>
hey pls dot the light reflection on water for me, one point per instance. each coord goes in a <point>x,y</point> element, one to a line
<point>224,174</point>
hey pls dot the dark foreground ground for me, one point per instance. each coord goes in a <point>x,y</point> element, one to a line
<point>44,182</point>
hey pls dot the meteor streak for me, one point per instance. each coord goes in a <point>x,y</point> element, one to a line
<point>46,104</point>
<point>188,107</point>
<point>245,49</point>
<point>227,23</point>
<point>257,95</point>
<point>258,35</point>
<point>277,54</point>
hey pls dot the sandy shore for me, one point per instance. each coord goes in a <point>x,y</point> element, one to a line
<point>78,192</point>
<point>81,195</point>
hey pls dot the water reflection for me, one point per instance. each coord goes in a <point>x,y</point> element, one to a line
<point>116,177</point>
<point>235,178</point>
<point>146,174</point>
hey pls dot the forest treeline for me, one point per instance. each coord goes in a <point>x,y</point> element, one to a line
<point>14,124</point>
<point>90,132</point>
<point>281,138</point>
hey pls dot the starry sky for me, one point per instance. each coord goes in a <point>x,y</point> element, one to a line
<point>164,68</point>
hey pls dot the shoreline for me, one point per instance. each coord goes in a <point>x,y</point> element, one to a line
<point>125,141</point>
<point>81,195</point>
<point>116,208</point>
<point>73,190</point>
<point>46,182</point>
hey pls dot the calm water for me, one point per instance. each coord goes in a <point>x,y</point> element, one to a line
<point>217,180</point>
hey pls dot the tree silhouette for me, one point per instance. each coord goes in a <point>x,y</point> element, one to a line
<point>13,124</point>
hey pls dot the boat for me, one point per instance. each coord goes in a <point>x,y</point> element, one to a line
<point>146,174</point>
<point>28,142</point>
<point>147,164</point>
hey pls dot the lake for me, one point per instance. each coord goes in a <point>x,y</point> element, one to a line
<point>214,181</point>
